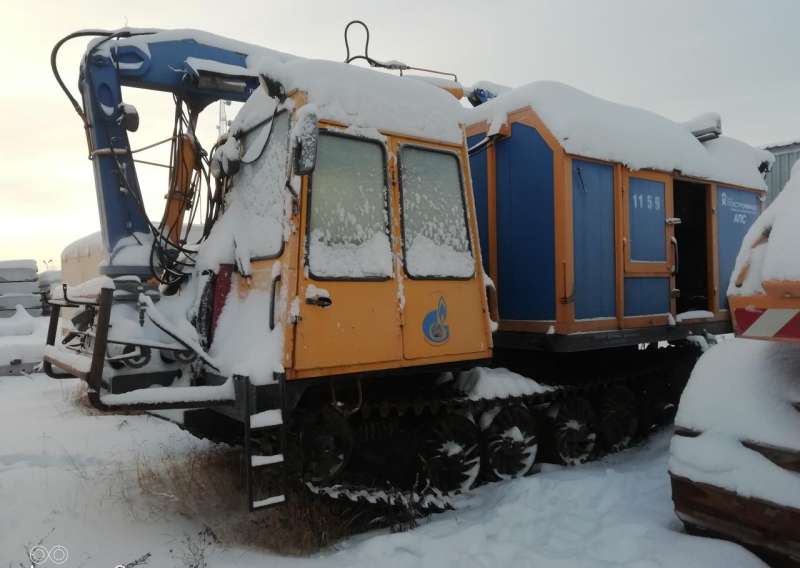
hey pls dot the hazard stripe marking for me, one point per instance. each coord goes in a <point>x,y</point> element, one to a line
<point>744,318</point>
<point>791,329</point>
<point>770,323</point>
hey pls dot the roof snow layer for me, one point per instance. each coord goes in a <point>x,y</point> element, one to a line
<point>344,93</point>
<point>589,126</point>
<point>365,98</point>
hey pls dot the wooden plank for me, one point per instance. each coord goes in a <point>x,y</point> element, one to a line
<point>769,529</point>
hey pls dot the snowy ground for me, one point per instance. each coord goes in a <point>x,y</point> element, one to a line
<point>66,478</point>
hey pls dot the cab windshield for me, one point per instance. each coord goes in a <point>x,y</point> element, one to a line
<point>435,236</point>
<point>348,217</point>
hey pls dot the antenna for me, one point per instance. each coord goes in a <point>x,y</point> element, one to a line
<point>222,122</point>
<point>393,65</point>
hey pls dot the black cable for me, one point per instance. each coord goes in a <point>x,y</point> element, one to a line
<point>84,33</point>
<point>165,261</point>
<point>347,58</point>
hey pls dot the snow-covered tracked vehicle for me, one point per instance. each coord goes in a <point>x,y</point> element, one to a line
<point>334,317</point>
<point>735,457</point>
<point>339,277</point>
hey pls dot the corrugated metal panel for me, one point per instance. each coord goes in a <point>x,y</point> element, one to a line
<point>525,231</point>
<point>647,215</point>
<point>593,225</point>
<point>736,211</point>
<point>784,160</point>
<point>646,296</point>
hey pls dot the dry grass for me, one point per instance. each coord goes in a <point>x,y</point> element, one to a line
<point>80,398</point>
<point>208,487</point>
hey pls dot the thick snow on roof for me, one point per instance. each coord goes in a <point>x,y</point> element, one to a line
<point>741,390</point>
<point>589,126</point>
<point>777,258</point>
<point>345,93</point>
<point>371,99</point>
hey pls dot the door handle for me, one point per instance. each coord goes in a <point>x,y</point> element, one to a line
<point>273,293</point>
<point>321,301</point>
<point>675,252</point>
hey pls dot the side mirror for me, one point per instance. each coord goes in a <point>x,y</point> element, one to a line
<point>129,117</point>
<point>305,144</point>
<point>225,161</point>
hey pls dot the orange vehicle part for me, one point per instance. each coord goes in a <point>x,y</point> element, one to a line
<point>180,195</point>
<point>375,324</point>
<point>773,315</point>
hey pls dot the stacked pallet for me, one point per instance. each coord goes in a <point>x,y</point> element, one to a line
<point>19,286</point>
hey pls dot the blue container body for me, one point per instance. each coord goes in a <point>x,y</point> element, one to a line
<point>646,296</point>
<point>623,258</point>
<point>736,211</point>
<point>647,205</point>
<point>525,223</point>
<point>593,239</point>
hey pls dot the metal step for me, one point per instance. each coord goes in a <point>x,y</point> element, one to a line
<point>254,462</point>
<point>266,419</point>
<point>261,461</point>
<point>268,502</point>
<point>72,362</point>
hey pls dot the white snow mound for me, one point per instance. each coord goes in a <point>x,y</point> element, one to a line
<point>741,390</point>
<point>777,258</point>
<point>21,323</point>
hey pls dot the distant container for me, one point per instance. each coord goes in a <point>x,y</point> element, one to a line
<point>18,270</point>
<point>19,286</point>
<point>80,260</point>
<point>786,154</point>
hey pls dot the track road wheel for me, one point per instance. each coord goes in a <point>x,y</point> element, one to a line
<point>185,356</point>
<point>575,434</point>
<point>449,456</point>
<point>617,420</point>
<point>511,441</point>
<point>327,444</point>
<point>139,360</point>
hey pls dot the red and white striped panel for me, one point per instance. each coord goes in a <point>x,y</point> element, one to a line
<point>780,323</point>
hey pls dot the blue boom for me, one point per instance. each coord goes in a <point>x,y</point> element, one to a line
<point>195,72</point>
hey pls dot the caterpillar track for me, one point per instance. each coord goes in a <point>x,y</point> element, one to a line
<point>417,454</point>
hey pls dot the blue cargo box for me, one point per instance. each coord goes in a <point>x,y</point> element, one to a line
<point>587,253</point>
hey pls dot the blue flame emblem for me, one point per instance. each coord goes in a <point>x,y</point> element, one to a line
<point>434,328</point>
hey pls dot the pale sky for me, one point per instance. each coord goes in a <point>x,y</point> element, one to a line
<point>678,58</point>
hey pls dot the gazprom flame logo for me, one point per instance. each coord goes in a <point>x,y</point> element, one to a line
<point>434,326</point>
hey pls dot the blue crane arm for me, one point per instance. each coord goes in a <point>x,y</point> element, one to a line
<point>196,72</point>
